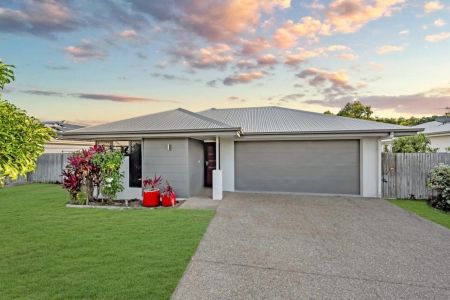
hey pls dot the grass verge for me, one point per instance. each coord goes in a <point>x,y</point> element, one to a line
<point>421,208</point>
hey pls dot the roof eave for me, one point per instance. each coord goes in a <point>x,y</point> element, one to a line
<point>401,131</point>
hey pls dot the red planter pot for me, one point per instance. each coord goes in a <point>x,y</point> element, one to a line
<point>169,200</point>
<point>151,198</point>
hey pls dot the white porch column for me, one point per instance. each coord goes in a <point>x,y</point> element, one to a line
<point>217,175</point>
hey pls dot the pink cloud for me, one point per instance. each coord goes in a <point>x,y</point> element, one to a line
<point>308,27</point>
<point>243,77</point>
<point>250,47</point>
<point>267,60</point>
<point>85,50</point>
<point>128,34</point>
<point>294,59</point>
<point>350,15</point>
<point>43,18</point>
<point>429,102</point>
<point>215,56</point>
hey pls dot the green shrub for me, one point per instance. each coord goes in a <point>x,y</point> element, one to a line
<point>440,182</point>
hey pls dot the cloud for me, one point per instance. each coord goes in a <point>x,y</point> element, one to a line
<point>214,20</point>
<point>56,67</point>
<point>266,60</point>
<point>118,98</point>
<point>169,76</point>
<point>292,97</point>
<point>348,16</point>
<point>250,47</point>
<point>429,102</point>
<point>243,77</point>
<point>294,59</point>
<point>308,27</point>
<point>43,93</point>
<point>128,34</point>
<point>439,23</point>
<point>212,83</point>
<point>216,56</point>
<point>389,49</point>
<point>432,6</point>
<point>85,50</point>
<point>434,38</point>
<point>348,56</point>
<point>404,32</point>
<point>42,18</point>
<point>318,77</point>
<point>236,99</point>
<point>246,64</point>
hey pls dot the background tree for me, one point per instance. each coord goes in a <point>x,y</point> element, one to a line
<point>356,110</point>
<point>22,137</point>
<point>412,144</point>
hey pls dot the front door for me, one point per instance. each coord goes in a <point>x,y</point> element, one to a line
<point>210,162</point>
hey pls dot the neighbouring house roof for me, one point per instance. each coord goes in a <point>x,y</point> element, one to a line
<point>177,120</point>
<point>61,126</point>
<point>248,121</point>
<point>276,120</point>
<point>435,127</point>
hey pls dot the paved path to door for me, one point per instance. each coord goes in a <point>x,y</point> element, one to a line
<point>262,246</point>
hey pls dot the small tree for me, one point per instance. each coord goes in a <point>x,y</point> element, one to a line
<point>109,163</point>
<point>22,137</point>
<point>418,143</point>
<point>440,182</point>
<point>356,110</point>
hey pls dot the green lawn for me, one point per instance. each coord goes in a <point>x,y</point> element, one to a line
<point>48,251</point>
<point>422,209</point>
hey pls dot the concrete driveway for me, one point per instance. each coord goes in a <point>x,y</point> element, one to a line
<point>262,246</point>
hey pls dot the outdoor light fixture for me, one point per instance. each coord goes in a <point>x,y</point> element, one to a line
<point>169,147</point>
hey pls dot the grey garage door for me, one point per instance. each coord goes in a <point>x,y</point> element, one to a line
<point>330,167</point>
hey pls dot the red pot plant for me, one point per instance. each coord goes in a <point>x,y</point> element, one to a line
<point>151,194</point>
<point>168,196</point>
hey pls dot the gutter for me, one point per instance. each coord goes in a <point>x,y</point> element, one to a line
<point>386,131</point>
<point>75,133</point>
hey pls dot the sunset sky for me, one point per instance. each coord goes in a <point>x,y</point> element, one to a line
<point>97,61</point>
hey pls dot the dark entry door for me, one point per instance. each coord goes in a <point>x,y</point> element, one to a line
<point>210,162</point>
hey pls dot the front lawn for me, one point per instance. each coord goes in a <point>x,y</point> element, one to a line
<point>48,251</point>
<point>422,209</point>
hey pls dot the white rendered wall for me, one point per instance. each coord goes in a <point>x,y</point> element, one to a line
<point>129,192</point>
<point>227,163</point>
<point>370,167</point>
<point>440,142</point>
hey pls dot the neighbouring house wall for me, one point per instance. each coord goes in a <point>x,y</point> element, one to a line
<point>196,167</point>
<point>128,192</point>
<point>227,163</point>
<point>66,146</point>
<point>171,164</point>
<point>370,165</point>
<point>440,142</point>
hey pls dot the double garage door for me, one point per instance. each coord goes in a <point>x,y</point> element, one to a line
<point>330,167</point>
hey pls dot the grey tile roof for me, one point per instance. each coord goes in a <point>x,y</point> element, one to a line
<point>173,120</point>
<point>434,127</point>
<point>257,120</point>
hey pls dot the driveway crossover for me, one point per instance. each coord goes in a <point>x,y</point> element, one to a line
<point>263,246</point>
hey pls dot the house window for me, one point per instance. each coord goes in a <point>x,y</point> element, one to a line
<point>135,158</point>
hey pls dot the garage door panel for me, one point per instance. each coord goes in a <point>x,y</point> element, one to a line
<point>298,166</point>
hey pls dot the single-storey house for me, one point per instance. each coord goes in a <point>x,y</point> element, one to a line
<point>438,132</point>
<point>259,149</point>
<point>58,145</point>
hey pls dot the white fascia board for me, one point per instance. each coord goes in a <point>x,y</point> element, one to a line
<point>308,137</point>
<point>138,136</point>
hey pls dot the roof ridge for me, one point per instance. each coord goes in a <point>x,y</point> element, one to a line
<point>197,115</point>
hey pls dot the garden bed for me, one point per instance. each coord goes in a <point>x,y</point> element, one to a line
<point>134,203</point>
